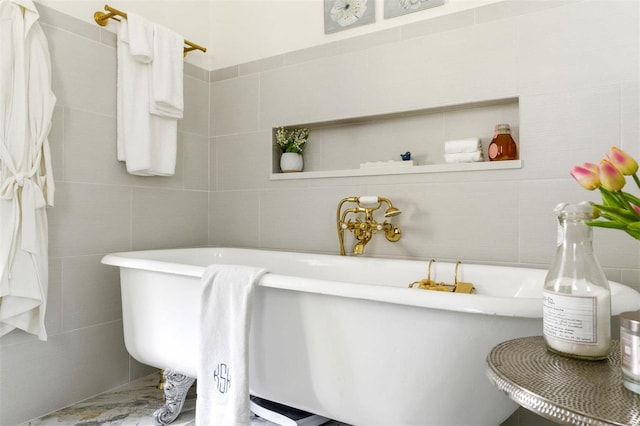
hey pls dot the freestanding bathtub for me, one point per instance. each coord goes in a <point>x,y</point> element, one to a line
<point>344,337</point>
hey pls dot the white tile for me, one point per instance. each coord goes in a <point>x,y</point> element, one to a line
<point>318,90</point>
<point>235,105</point>
<point>196,107</point>
<point>631,277</point>
<point>354,44</point>
<point>90,148</point>
<point>507,9</point>
<point>630,121</point>
<point>77,67</point>
<point>91,292</point>
<point>616,249</point>
<point>223,73</point>
<point>234,219</point>
<point>168,218</point>
<point>54,18</point>
<point>53,317</point>
<point>471,63</point>
<point>598,24</point>
<point>213,173</point>
<point>261,65</point>
<point>562,129</point>
<point>575,46</point>
<point>311,53</point>
<point>468,221</point>
<point>242,160</point>
<point>89,219</point>
<point>439,24</point>
<point>195,161</point>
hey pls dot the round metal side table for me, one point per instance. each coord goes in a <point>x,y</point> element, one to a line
<point>564,390</point>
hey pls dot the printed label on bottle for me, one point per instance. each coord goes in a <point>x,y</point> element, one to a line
<point>630,353</point>
<point>571,318</point>
<point>493,151</point>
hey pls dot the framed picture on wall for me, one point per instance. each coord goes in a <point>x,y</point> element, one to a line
<point>344,14</point>
<point>393,8</point>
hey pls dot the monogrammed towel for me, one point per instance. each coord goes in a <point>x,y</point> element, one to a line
<point>223,370</point>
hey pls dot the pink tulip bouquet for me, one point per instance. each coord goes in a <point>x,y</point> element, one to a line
<point>619,209</point>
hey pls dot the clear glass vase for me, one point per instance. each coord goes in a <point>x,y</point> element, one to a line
<point>577,298</point>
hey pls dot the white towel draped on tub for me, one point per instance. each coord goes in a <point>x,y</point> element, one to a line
<point>26,180</point>
<point>223,370</point>
<point>147,141</point>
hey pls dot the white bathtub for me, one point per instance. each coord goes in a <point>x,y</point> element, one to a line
<point>344,337</point>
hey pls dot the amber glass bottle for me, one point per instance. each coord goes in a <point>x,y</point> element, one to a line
<point>502,147</point>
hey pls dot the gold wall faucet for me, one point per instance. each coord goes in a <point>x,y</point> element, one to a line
<point>364,226</point>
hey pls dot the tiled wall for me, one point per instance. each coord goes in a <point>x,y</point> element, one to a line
<point>574,65</point>
<point>99,208</point>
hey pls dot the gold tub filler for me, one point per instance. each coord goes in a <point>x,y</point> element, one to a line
<point>456,287</point>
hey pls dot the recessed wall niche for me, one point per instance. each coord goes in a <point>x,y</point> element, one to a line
<point>338,147</point>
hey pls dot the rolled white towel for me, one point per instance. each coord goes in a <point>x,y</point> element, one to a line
<point>462,145</point>
<point>464,157</point>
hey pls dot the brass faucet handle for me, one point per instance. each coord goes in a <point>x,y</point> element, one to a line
<point>461,286</point>
<point>393,234</point>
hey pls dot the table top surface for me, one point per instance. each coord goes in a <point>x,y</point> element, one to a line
<point>565,390</point>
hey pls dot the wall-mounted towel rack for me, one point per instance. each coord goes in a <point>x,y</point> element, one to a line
<point>102,18</point>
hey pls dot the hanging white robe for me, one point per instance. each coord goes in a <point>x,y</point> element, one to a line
<point>26,180</point>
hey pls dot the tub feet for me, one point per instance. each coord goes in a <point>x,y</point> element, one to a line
<point>176,387</point>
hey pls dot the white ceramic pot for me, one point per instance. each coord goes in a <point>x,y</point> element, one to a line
<point>291,162</point>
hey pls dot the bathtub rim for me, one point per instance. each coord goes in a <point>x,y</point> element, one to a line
<point>519,307</point>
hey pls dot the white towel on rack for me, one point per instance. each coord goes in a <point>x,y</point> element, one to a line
<point>167,73</point>
<point>223,368</point>
<point>140,38</point>
<point>164,148</point>
<point>122,48</point>
<point>133,137</point>
<point>462,145</point>
<point>146,142</point>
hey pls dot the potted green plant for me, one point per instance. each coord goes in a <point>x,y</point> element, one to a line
<point>291,142</point>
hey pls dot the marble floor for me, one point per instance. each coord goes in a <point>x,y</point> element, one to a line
<point>134,403</point>
<point>130,405</point>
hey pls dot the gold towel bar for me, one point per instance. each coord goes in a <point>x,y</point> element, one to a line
<point>102,18</point>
